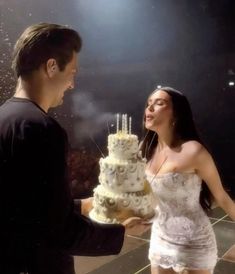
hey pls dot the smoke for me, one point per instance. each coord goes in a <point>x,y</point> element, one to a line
<point>90,120</point>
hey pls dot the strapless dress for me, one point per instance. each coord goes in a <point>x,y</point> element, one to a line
<point>182,236</point>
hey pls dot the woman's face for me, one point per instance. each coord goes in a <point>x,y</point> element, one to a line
<point>159,111</point>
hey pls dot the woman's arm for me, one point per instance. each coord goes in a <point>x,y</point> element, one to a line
<point>207,170</point>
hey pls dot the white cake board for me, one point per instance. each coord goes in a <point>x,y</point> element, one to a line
<point>92,217</point>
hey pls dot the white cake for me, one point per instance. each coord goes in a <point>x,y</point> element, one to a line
<point>123,190</point>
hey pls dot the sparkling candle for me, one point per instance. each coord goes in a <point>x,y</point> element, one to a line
<point>123,122</point>
<point>117,125</point>
<point>130,121</point>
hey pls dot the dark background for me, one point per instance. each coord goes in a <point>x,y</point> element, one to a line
<point>130,47</point>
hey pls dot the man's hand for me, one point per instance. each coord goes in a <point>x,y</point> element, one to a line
<point>86,205</point>
<point>136,226</point>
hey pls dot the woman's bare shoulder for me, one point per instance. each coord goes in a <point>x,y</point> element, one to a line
<point>192,147</point>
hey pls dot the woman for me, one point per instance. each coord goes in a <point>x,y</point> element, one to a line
<point>183,175</point>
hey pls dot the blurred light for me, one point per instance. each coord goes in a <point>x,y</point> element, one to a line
<point>159,86</point>
<point>231,83</point>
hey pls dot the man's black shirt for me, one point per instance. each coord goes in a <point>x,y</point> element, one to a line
<point>36,208</point>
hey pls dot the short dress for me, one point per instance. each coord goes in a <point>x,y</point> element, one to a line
<point>182,236</point>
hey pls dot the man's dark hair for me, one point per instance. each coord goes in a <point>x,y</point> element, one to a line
<point>40,42</point>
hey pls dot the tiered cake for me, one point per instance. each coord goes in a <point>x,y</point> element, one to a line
<point>123,190</point>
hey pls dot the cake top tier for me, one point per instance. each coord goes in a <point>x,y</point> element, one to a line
<point>123,146</point>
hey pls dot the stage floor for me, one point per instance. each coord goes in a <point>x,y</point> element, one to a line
<point>133,257</point>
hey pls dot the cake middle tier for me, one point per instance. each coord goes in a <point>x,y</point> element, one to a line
<point>122,176</point>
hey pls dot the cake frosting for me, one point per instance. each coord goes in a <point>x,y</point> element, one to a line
<point>123,190</point>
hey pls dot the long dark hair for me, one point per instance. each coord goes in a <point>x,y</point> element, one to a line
<point>184,128</point>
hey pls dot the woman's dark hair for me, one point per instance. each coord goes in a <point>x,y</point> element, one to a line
<point>184,128</point>
<point>40,42</point>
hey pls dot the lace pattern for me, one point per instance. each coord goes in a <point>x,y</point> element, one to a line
<point>182,236</point>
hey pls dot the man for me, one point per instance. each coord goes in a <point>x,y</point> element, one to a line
<point>40,228</point>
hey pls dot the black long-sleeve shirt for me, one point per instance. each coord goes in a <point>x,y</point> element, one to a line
<point>36,207</point>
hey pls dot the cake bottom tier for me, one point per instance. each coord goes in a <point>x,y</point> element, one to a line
<point>112,207</point>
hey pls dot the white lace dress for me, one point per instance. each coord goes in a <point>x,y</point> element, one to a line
<point>182,236</point>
